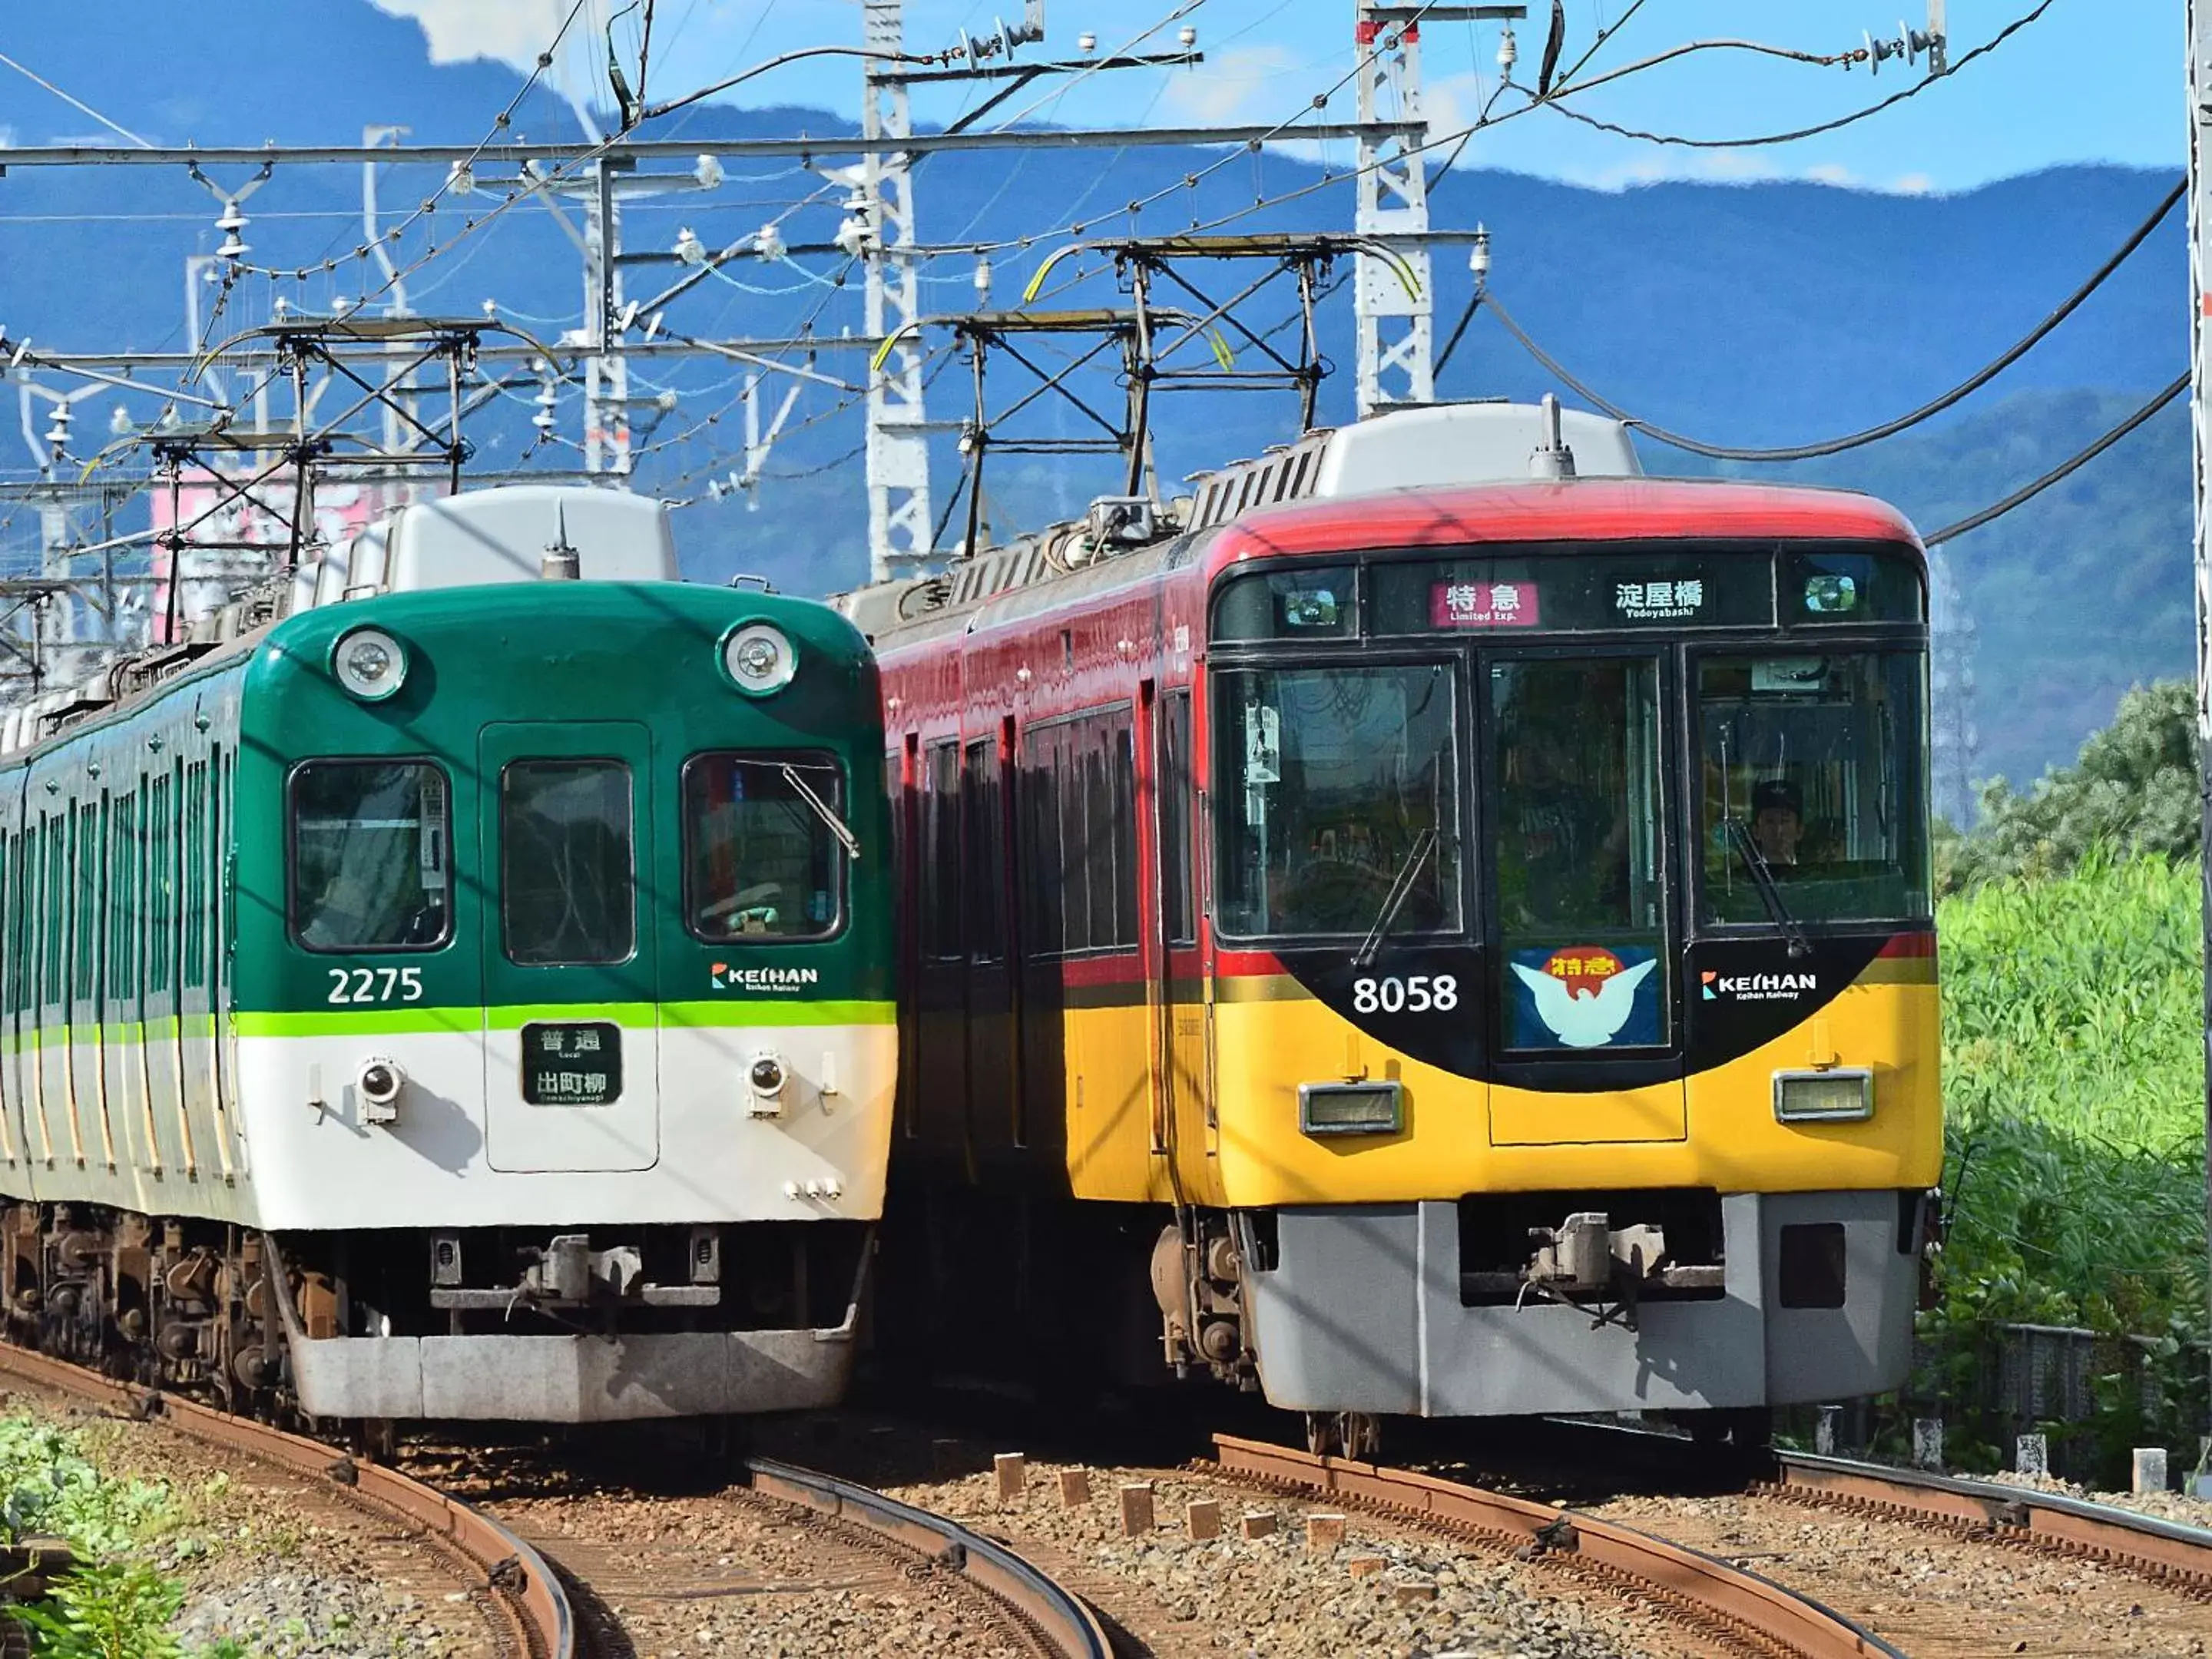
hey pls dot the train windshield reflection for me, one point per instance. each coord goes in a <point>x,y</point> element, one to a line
<point>1818,758</point>
<point>1334,781</point>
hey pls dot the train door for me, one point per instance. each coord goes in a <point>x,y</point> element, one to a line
<point>1153,934</point>
<point>572,1072</point>
<point>1585,1002</point>
<point>1184,1014</point>
<point>940,993</point>
<point>196,1000</point>
<point>902,779</point>
<point>994,1116</point>
<point>11,974</point>
<point>92,1142</point>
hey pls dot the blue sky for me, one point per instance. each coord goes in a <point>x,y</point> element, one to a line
<point>2093,81</point>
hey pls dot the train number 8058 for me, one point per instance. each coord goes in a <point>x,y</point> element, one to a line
<point>1417,994</point>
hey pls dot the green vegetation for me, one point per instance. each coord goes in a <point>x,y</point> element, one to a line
<point>2134,791</point>
<point>2074,1087</point>
<point>117,1601</point>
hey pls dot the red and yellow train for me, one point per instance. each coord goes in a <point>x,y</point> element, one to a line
<point>1438,924</point>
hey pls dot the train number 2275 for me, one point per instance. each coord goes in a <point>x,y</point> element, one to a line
<point>350,985</point>
<point>1417,994</point>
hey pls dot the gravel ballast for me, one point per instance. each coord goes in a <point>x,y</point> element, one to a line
<point>1934,1595</point>
<point>1387,1591</point>
<point>282,1565</point>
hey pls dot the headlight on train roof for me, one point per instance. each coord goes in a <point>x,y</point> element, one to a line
<point>759,658</point>
<point>369,663</point>
<point>1839,1095</point>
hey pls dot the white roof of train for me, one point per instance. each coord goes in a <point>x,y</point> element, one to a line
<point>471,540</point>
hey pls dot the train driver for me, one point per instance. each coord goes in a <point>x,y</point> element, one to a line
<point>1777,820</point>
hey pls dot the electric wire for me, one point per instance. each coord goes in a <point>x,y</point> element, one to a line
<point>2064,469</point>
<point>1554,102</point>
<point>1973,382</point>
<point>76,103</point>
<point>500,122</point>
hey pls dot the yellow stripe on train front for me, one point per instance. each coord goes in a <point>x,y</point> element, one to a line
<point>1717,1130</point>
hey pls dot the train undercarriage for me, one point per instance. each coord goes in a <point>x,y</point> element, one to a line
<point>356,1330</point>
<point>1690,1304</point>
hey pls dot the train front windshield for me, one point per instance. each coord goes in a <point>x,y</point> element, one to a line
<point>1805,771</point>
<point>1514,744</point>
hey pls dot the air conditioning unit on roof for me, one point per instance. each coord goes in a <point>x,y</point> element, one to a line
<point>1120,520</point>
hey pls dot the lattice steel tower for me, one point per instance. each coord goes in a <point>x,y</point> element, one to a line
<point>899,527</point>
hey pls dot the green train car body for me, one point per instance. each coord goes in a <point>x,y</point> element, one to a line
<point>529,1027</point>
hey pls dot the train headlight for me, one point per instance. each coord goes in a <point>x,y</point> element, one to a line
<point>759,658</point>
<point>369,663</point>
<point>1839,1095</point>
<point>379,1082</point>
<point>1351,1108</point>
<point>764,1080</point>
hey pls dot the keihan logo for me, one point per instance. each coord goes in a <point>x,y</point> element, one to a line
<point>723,977</point>
<point>1756,987</point>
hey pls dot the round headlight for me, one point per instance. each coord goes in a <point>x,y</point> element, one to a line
<point>369,663</point>
<point>759,659</point>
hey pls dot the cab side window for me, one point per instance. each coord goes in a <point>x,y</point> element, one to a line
<point>370,856</point>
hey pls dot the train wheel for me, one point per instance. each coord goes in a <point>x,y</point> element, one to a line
<point>1355,1435</point>
<point>1748,1430</point>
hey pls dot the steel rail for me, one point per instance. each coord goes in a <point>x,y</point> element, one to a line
<point>530,1606</point>
<point>2165,1550</point>
<point>1704,1588</point>
<point>1055,1614</point>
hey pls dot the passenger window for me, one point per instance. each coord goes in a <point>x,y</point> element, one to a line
<point>983,838</point>
<point>369,860</point>
<point>1580,896</point>
<point>942,934</point>
<point>762,860</point>
<point>567,892</point>
<point>1178,902</point>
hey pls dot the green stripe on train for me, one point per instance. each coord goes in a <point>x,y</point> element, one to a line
<point>631,1016</point>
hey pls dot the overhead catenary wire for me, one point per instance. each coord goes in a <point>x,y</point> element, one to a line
<point>1965,388</point>
<point>1287,129</point>
<point>2064,469</point>
<point>1555,102</point>
<point>76,103</point>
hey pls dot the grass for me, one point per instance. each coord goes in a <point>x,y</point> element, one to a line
<point>2073,1089</point>
<point>2073,1086</point>
<point>117,1602</point>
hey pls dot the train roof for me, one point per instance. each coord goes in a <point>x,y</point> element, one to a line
<point>478,538</point>
<point>1439,476</point>
<point>1574,510</point>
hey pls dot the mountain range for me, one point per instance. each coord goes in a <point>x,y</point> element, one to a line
<point>1761,313</point>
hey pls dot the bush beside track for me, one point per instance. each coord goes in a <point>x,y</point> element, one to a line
<point>2073,985</point>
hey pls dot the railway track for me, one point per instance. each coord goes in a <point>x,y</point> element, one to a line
<point>1058,1623</point>
<point>524,1598</point>
<point>1739,1610</point>
<point>2164,1551</point>
<point>523,1602</point>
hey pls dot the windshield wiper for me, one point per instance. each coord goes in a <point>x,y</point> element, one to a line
<point>1763,879</point>
<point>838,828</point>
<point>1395,900</point>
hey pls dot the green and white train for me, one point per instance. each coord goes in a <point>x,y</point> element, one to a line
<point>455,984</point>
